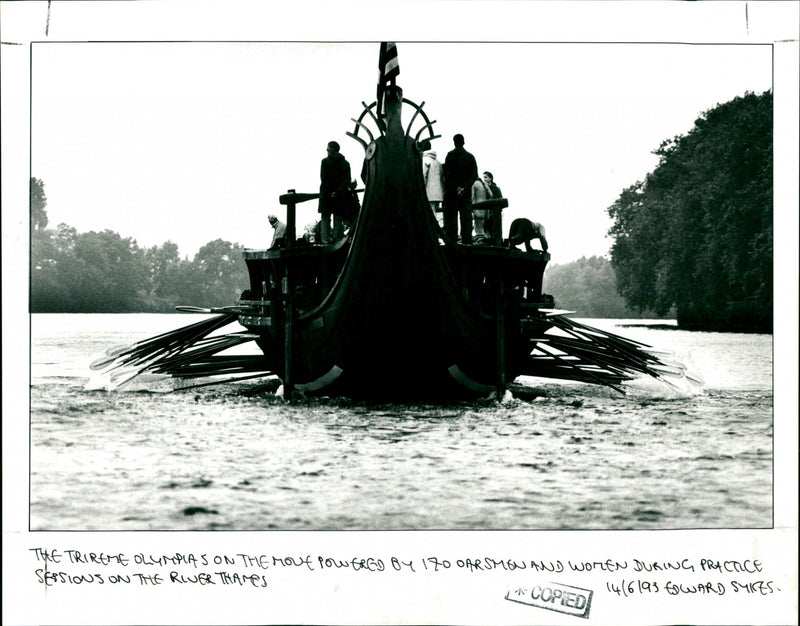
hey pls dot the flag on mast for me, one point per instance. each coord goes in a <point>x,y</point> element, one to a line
<point>389,68</point>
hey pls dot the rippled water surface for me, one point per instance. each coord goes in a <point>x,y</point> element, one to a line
<point>560,455</point>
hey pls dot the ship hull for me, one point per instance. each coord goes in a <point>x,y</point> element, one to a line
<point>407,312</point>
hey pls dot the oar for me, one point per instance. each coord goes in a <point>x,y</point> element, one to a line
<point>216,365</point>
<point>227,380</point>
<point>236,310</point>
<point>158,342</point>
<point>596,355</point>
<point>195,326</point>
<point>103,361</point>
<point>214,370</point>
<point>570,344</point>
<point>593,346</point>
<point>197,354</point>
<point>565,373</point>
<point>179,340</point>
<point>628,356</point>
<point>610,366</point>
<point>592,375</point>
<point>121,377</point>
<point>608,334</point>
<point>638,358</point>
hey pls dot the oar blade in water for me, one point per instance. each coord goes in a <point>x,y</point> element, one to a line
<point>191,352</point>
<point>574,351</point>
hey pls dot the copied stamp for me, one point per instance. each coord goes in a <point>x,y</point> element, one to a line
<point>555,597</point>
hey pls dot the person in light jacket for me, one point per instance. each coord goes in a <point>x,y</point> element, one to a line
<point>481,217</point>
<point>279,236</point>
<point>434,179</point>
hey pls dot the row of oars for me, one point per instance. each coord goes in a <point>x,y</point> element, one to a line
<point>590,355</point>
<point>185,353</point>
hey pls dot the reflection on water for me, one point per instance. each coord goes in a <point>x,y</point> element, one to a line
<point>559,456</point>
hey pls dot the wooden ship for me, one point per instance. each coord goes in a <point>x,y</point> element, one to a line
<point>395,310</point>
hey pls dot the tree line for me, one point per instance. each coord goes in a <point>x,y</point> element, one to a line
<point>103,272</point>
<point>589,287</point>
<point>696,233</point>
<point>692,240</point>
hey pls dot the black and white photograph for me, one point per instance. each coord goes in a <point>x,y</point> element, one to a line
<point>603,328</point>
<point>469,287</point>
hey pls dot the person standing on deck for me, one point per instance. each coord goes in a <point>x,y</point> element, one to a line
<point>334,182</point>
<point>460,172</point>
<point>494,223</point>
<point>279,236</point>
<point>488,179</point>
<point>481,217</point>
<point>434,180</point>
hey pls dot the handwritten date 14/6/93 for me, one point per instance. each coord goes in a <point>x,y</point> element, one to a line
<point>633,587</point>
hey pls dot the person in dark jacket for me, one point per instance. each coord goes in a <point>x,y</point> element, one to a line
<point>460,172</point>
<point>488,179</point>
<point>334,186</point>
<point>523,230</point>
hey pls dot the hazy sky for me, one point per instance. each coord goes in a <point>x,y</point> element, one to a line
<point>190,142</point>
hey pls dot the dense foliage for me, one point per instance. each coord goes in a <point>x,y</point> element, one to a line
<point>697,232</point>
<point>589,287</point>
<point>104,272</point>
<point>101,272</point>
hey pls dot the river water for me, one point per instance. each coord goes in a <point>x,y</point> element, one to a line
<point>557,456</point>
